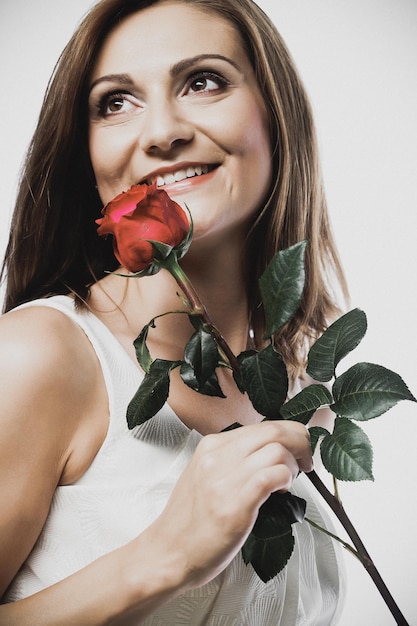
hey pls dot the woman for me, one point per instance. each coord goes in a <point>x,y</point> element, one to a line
<point>109,526</point>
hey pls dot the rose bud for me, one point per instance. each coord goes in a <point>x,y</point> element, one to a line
<point>138,216</point>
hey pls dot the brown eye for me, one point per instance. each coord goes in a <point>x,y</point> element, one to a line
<point>205,82</point>
<point>200,84</point>
<point>115,104</point>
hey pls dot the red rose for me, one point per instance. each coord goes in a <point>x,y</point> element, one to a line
<point>139,214</point>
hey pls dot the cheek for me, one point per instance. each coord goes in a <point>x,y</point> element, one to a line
<point>99,155</point>
<point>258,129</point>
<point>107,160</point>
<point>255,149</point>
<point>249,133</point>
<point>94,149</point>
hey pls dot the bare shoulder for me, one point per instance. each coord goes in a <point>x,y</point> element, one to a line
<point>49,373</point>
<point>33,343</point>
<point>24,331</point>
<point>52,421</point>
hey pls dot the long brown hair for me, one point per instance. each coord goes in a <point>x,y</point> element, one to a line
<point>53,246</point>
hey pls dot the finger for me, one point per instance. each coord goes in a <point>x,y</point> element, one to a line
<point>292,435</point>
<point>305,462</point>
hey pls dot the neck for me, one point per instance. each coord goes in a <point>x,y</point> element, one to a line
<point>219,281</point>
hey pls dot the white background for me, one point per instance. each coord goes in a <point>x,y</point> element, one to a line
<point>358,61</point>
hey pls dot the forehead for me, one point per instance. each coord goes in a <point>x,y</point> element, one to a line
<point>166,32</point>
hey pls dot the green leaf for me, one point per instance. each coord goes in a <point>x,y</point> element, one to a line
<point>150,270</point>
<point>202,354</point>
<point>302,407</point>
<point>282,285</point>
<point>160,250</point>
<point>201,357</point>
<point>265,379</point>
<point>195,320</point>
<point>209,387</point>
<point>336,342</point>
<point>347,452</point>
<point>287,504</point>
<point>316,433</point>
<point>142,353</point>
<point>366,391</point>
<point>231,427</point>
<point>237,375</point>
<point>271,542</point>
<point>151,394</point>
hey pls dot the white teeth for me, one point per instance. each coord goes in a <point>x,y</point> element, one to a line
<point>169,178</point>
<point>190,172</point>
<point>180,175</point>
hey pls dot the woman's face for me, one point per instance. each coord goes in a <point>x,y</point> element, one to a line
<point>174,99</point>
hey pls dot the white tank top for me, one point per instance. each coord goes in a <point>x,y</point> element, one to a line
<point>127,486</point>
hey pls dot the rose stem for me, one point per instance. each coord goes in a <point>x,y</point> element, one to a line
<point>362,553</point>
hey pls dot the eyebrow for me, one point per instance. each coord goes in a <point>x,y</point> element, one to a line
<point>125,79</point>
<point>179,67</point>
<point>176,69</point>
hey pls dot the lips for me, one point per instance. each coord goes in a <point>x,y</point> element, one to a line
<point>174,176</point>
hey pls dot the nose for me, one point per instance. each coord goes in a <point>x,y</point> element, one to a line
<point>164,127</point>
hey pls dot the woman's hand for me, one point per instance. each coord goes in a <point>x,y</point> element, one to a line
<point>215,503</point>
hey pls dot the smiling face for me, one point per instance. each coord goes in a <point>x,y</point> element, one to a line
<point>174,99</point>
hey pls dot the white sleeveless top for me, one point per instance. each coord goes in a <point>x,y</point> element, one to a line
<point>126,488</point>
